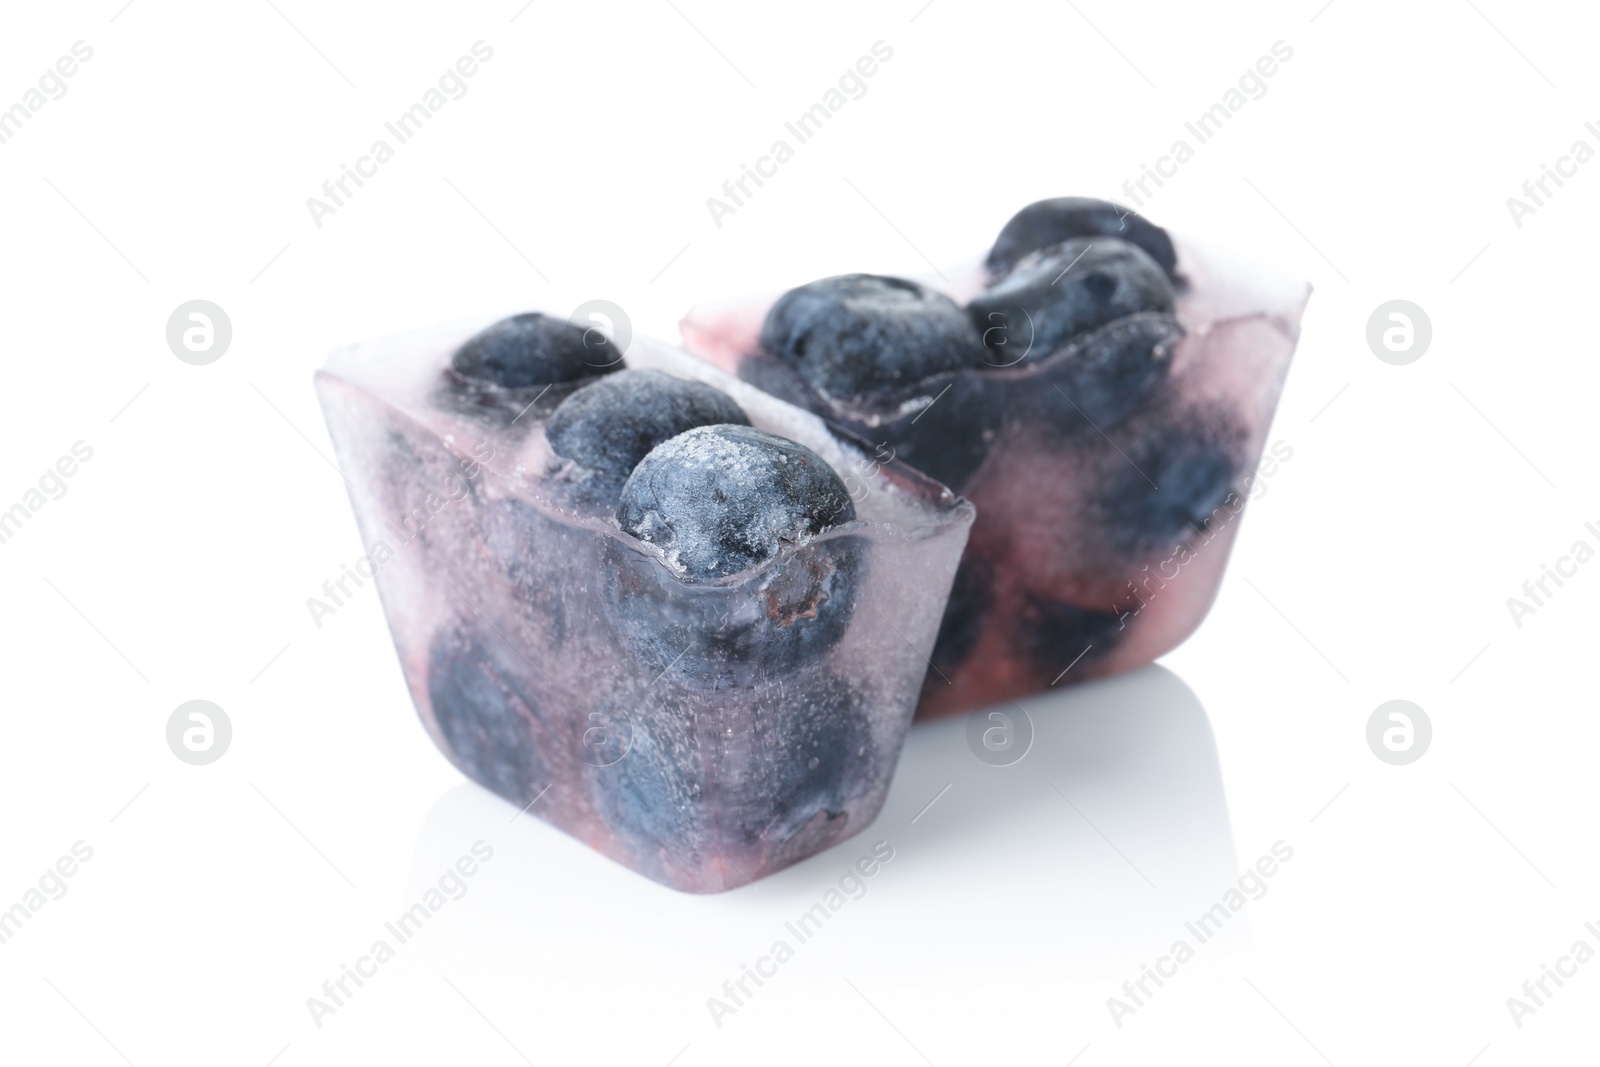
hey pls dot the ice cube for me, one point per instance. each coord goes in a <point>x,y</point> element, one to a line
<point>702,733</point>
<point>1108,474</point>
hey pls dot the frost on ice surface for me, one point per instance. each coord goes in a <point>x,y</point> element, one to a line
<point>704,733</point>
<point>1108,468</point>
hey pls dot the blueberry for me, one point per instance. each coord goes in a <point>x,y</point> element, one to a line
<point>775,377</point>
<point>1049,222</point>
<point>533,350</point>
<point>766,770</point>
<point>966,614</point>
<point>653,798</point>
<point>530,549</point>
<point>811,749</point>
<point>710,636</point>
<point>611,424</point>
<point>856,335</point>
<point>1054,635</point>
<point>1170,486</point>
<point>1105,376</point>
<point>949,439</point>
<point>1063,290</point>
<point>487,719</point>
<point>720,499</point>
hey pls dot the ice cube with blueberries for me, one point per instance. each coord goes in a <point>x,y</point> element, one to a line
<point>1099,391</point>
<point>670,614</point>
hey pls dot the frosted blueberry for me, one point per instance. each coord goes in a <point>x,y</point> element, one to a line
<point>859,334</point>
<point>1048,222</point>
<point>720,499</point>
<point>1063,290</point>
<point>611,424</point>
<point>532,349</point>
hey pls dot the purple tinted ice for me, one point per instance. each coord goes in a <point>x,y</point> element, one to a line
<point>703,733</point>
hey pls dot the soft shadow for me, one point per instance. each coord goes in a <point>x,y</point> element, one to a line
<point>1112,826</point>
<point>1120,779</point>
<point>1121,783</point>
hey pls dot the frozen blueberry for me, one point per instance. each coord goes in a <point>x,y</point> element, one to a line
<point>1106,376</point>
<point>778,378</point>
<point>487,721</point>
<point>529,545</point>
<point>720,499</point>
<point>611,424</point>
<point>1049,222</point>
<point>711,636</point>
<point>1172,487</point>
<point>858,334</point>
<point>532,349</point>
<point>966,616</point>
<point>1058,292</point>
<point>1055,635</point>
<point>653,797</point>
<point>948,439</point>
<point>812,745</point>
<point>783,762</point>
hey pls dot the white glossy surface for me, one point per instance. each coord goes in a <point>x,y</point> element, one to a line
<point>1377,566</point>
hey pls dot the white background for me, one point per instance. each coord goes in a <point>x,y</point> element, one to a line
<point>1377,566</point>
